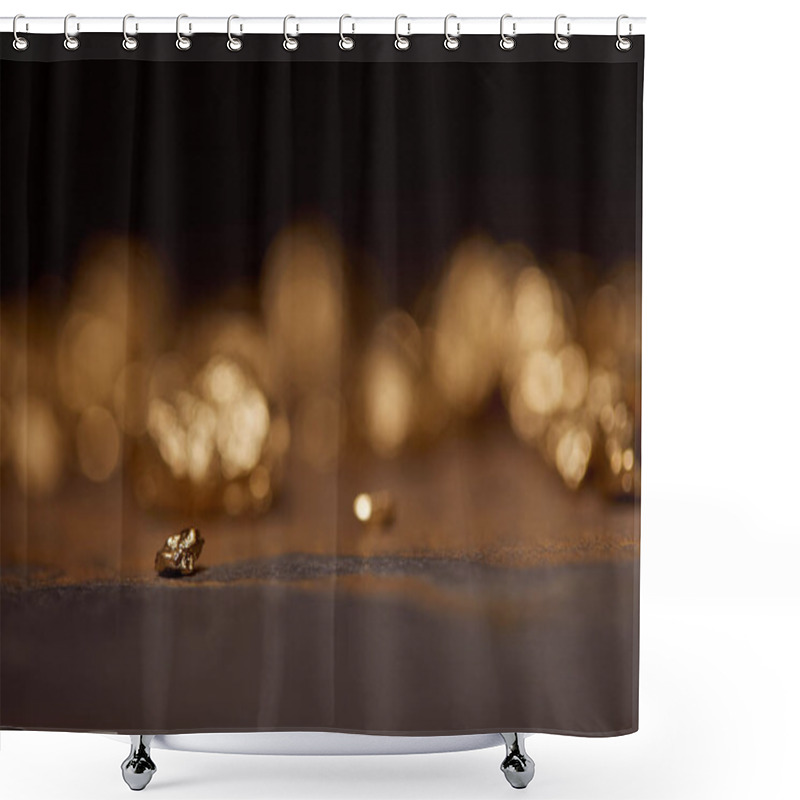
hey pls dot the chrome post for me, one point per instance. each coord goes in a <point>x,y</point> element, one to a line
<point>517,766</point>
<point>138,768</point>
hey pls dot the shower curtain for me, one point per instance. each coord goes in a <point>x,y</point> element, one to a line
<point>320,385</point>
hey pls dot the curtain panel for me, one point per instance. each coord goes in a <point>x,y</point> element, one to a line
<point>320,385</point>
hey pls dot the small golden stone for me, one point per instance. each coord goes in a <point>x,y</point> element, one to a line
<point>180,553</point>
<point>376,508</point>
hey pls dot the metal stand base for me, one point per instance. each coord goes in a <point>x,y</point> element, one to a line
<point>517,766</point>
<point>138,768</point>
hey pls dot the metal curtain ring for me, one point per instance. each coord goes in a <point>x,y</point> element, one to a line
<point>401,42</point>
<point>507,42</point>
<point>346,42</point>
<point>70,42</point>
<point>623,43</point>
<point>561,42</point>
<point>129,42</point>
<point>451,42</point>
<point>234,43</point>
<point>289,42</point>
<point>20,42</point>
<point>182,42</point>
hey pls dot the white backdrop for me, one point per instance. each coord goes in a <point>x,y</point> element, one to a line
<point>720,696</point>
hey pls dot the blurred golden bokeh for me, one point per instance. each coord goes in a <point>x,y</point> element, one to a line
<point>91,354</point>
<point>216,430</point>
<point>303,301</point>
<point>37,445</point>
<point>98,443</point>
<point>203,409</point>
<point>391,374</point>
<point>470,324</point>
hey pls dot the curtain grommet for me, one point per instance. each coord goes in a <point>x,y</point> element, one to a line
<point>452,42</point>
<point>234,43</point>
<point>290,43</point>
<point>561,43</point>
<point>182,42</point>
<point>623,44</point>
<point>401,42</point>
<point>129,42</point>
<point>346,42</point>
<point>70,42</point>
<point>20,43</point>
<point>507,42</point>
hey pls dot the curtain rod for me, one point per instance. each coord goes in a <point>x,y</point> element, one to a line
<point>597,26</point>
